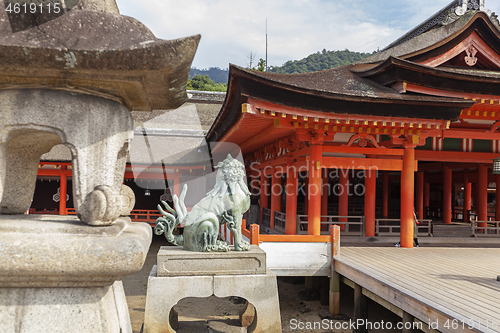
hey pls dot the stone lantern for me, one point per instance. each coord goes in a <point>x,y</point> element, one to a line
<point>72,79</point>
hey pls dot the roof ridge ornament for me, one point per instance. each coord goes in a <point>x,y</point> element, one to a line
<point>465,6</point>
<point>468,5</point>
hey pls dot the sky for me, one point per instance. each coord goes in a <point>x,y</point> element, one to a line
<point>232,29</point>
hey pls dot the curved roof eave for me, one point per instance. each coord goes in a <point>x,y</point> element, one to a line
<point>433,39</point>
<point>298,90</point>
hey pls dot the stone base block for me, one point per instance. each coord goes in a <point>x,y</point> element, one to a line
<point>175,261</point>
<point>60,251</point>
<point>58,275</point>
<point>261,290</point>
<point>62,310</point>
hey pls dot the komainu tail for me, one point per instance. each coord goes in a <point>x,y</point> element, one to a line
<point>172,218</point>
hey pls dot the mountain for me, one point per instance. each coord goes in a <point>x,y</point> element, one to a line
<point>315,62</point>
<point>215,73</point>
<point>320,61</point>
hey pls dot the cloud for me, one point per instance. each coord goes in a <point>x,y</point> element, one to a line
<point>296,28</point>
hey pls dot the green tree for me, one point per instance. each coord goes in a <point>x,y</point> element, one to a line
<point>320,61</point>
<point>261,66</point>
<point>204,83</point>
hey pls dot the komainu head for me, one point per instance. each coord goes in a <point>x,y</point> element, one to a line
<point>230,170</point>
<point>230,175</point>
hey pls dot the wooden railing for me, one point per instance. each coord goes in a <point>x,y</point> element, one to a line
<point>266,217</point>
<point>297,255</point>
<point>149,216</point>
<point>354,225</point>
<point>44,211</point>
<point>279,221</point>
<point>256,238</point>
<point>392,227</point>
<point>492,228</point>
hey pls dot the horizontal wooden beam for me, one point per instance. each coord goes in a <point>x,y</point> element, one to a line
<point>362,163</point>
<point>366,151</point>
<point>454,156</point>
<point>442,93</point>
<point>440,166</point>
<point>317,117</point>
<point>469,134</point>
<point>294,238</point>
<point>54,172</point>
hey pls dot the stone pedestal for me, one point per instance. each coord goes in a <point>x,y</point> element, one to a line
<point>57,275</point>
<point>241,274</point>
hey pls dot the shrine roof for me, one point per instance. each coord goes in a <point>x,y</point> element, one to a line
<point>438,36</point>
<point>464,80</point>
<point>337,83</point>
<point>335,91</point>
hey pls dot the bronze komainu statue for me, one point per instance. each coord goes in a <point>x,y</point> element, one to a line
<point>226,203</point>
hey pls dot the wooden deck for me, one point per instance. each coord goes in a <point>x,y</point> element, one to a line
<point>454,287</point>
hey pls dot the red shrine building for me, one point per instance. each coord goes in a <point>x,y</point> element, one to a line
<point>412,128</point>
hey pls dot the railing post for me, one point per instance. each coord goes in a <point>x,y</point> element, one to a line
<point>335,278</point>
<point>335,240</point>
<point>254,234</point>
<point>63,191</point>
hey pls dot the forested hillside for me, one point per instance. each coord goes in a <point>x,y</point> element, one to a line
<point>214,73</point>
<point>315,62</point>
<point>320,61</point>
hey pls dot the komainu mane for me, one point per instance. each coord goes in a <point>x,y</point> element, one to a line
<point>226,203</point>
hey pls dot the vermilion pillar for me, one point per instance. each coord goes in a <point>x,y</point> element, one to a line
<point>275,195</point>
<point>419,194</point>
<point>497,198</point>
<point>324,196</point>
<point>467,198</point>
<point>343,197</point>
<point>370,189</point>
<point>264,191</point>
<point>314,189</point>
<point>385,194</point>
<point>63,190</point>
<point>291,201</point>
<point>447,190</point>
<point>407,195</point>
<point>482,194</point>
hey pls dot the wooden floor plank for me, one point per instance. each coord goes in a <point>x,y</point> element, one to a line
<point>445,283</point>
<point>451,269</point>
<point>445,291</point>
<point>461,280</point>
<point>456,300</point>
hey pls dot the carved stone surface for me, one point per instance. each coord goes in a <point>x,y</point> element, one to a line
<point>97,53</point>
<point>106,6</point>
<point>97,131</point>
<point>50,310</point>
<point>261,290</point>
<point>174,261</point>
<point>46,251</point>
<point>57,275</point>
<point>72,78</point>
